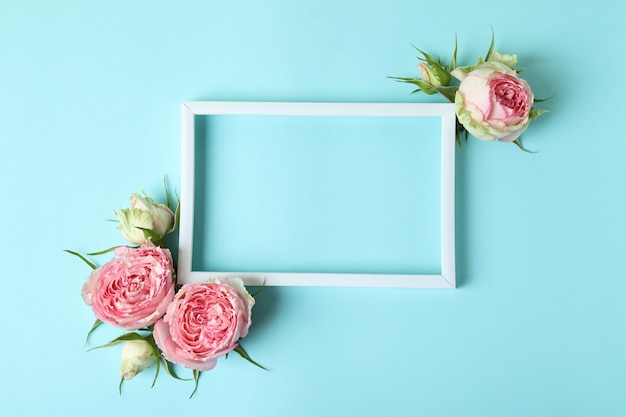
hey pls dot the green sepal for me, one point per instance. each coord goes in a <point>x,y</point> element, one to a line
<point>97,323</point>
<point>176,214</point>
<point>154,352</point>
<point>240,350</point>
<point>428,58</point>
<point>159,359</point>
<point>167,195</point>
<point>257,292</point>
<point>534,113</point>
<point>460,72</point>
<point>453,60</point>
<point>121,339</point>
<point>459,129</point>
<point>154,237</point>
<point>491,46</point>
<point>541,100</point>
<point>196,378</point>
<point>102,252</point>
<point>436,68</point>
<point>170,205</point>
<point>170,371</point>
<point>424,86</point>
<point>448,91</point>
<point>92,265</point>
<point>519,145</point>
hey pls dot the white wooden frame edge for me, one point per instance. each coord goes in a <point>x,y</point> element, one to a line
<point>190,109</point>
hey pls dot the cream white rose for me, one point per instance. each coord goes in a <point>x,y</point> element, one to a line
<point>136,357</point>
<point>145,219</point>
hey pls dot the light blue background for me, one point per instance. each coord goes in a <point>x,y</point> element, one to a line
<point>318,194</point>
<point>89,113</point>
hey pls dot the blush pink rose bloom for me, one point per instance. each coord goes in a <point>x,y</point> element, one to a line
<point>494,103</point>
<point>133,290</point>
<point>204,322</point>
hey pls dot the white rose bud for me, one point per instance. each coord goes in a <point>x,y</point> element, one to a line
<point>434,74</point>
<point>144,214</point>
<point>136,357</point>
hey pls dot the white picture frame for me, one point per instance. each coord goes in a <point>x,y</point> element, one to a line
<point>191,109</point>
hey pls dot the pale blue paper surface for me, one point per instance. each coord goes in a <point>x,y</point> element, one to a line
<point>90,97</point>
<point>318,194</point>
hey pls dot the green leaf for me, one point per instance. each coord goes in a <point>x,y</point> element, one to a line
<point>154,237</point>
<point>167,195</point>
<point>490,51</point>
<point>259,291</point>
<point>196,378</point>
<point>154,352</point>
<point>460,129</point>
<point>541,100</point>
<point>170,205</point>
<point>424,86</point>
<point>159,359</point>
<point>170,371</point>
<point>81,257</point>
<point>121,339</point>
<point>97,323</point>
<point>176,214</point>
<point>448,91</point>
<point>534,113</point>
<point>240,350</point>
<point>427,58</point>
<point>453,60</point>
<point>102,252</point>
<point>157,368</point>
<point>519,145</point>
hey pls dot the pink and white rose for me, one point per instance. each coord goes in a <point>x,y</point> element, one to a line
<point>133,290</point>
<point>492,102</point>
<point>204,322</point>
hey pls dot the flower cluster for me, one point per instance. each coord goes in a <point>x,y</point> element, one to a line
<point>190,325</point>
<point>491,100</point>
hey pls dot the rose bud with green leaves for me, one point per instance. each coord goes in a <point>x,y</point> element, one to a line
<point>434,75</point>
<point>145,219</point>
<point>491,102</point>
<point>137,356</point>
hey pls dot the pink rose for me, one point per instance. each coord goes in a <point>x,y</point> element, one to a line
<point>133,290</point>
<point>204,322</point>
<point>494,103</point>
